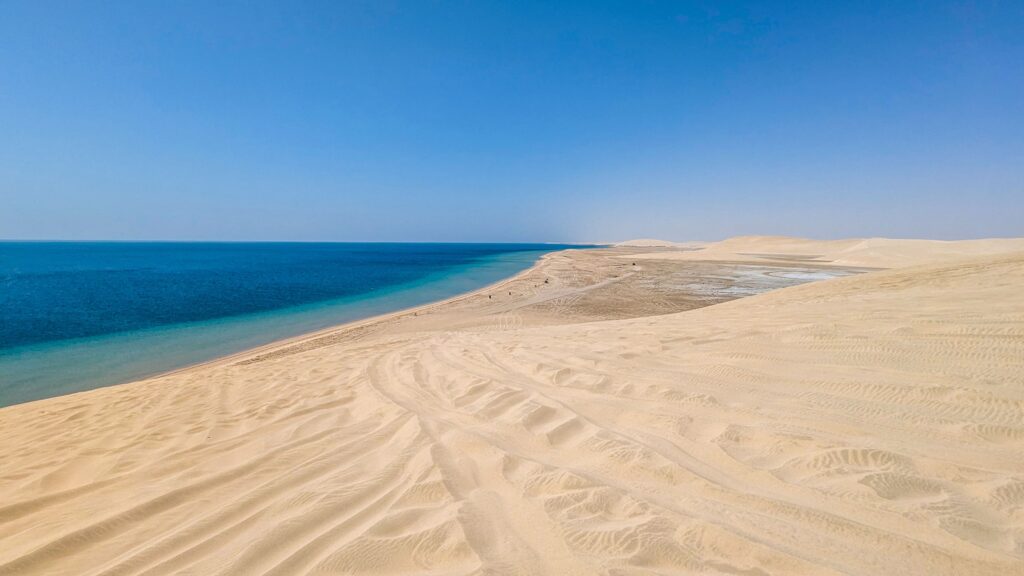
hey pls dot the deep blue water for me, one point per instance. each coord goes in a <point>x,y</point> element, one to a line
<point>78,315</point>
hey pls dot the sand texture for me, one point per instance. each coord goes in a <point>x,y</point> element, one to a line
<point>602,418</point>
<point>855,252</point>
<point>654,242</point>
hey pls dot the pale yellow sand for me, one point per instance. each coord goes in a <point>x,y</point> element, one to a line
<point>858,252</point>
<point>872,424</point>
<point>653,242</point>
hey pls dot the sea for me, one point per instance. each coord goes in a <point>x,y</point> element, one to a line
<point>81,315</point>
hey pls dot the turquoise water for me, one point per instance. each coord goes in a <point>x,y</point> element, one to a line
<point>77,316</point>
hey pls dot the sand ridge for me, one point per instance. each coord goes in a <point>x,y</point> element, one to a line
<point>872,424</point>
<point>854,252</point>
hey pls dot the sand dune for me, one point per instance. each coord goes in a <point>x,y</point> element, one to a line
<point>856,252</point>
<point>652,242</point>
<point>872,424</point>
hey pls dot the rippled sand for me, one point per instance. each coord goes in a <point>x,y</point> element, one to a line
<point>602,418</point>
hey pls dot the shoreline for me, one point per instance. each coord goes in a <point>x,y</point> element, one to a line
<point>284,342</point>
<point>292,340</point>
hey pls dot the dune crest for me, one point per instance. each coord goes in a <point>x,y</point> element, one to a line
<point>855,252</point>
<point>648,242</point>
<point>872,424</point>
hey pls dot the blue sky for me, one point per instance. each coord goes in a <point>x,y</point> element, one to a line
<point>516,121</point>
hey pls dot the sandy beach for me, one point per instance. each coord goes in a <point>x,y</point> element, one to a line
<point>642,409</point>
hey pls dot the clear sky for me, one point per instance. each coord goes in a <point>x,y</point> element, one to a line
<point>513,121</point>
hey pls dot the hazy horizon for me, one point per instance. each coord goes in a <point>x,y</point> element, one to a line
<point>525,122</point>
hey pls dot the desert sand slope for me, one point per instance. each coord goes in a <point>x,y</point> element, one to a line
<point>648,243</point>
<point>866,425</point>
<point>856,252</point>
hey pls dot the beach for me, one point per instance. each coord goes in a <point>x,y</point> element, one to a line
<point>755,406</point>
<point>81,315</point>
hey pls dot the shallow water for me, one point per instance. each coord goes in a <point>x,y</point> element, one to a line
<point>76,316</point>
